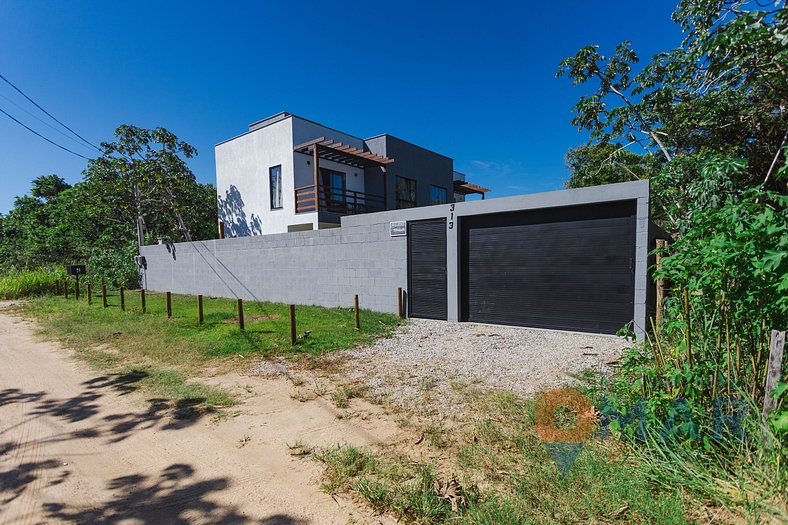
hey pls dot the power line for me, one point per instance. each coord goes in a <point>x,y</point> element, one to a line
<point>48,113</point>
<point>44,122</point>
<point>31,130</point>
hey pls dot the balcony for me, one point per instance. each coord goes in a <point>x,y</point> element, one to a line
<point>326,195</point>
<point>337,200</point>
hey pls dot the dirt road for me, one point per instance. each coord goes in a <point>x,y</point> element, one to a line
<point>77,446</point>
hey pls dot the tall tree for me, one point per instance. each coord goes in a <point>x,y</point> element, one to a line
<point>94,221</point>
<point>722,94</point>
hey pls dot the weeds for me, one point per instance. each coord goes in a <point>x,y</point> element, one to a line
<point>505,475</point>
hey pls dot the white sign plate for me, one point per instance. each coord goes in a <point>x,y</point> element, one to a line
<point>398,228</point>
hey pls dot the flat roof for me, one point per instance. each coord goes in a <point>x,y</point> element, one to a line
<point>284,115</point>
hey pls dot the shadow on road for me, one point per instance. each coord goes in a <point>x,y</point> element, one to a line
<point>113,428</point>
<point>175,496</point>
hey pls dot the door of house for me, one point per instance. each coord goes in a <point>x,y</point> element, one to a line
<point>333,183</point>
<point>427,290</point>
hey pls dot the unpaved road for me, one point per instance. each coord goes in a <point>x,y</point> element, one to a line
<point>80,447</point>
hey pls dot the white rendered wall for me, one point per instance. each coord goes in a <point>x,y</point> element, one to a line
<point>242,181</point>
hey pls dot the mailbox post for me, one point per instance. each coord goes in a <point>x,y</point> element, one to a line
<point>76,270</point>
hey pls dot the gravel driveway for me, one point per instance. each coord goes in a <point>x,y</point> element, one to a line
<point>430,355</point>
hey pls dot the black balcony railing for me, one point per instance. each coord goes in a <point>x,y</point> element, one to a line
<point>337,200</point>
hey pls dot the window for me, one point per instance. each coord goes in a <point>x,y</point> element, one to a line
<point>438,195</point>
<point>275,175</point>
<point>406,192</point>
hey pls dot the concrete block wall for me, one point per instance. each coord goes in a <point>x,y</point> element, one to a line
<point>326,267</point>
<point>320,267</point>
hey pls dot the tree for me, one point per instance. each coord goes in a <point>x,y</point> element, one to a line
<point>605,163</point>
<point>94,221</point>
<point>722,94</point>
<point>172,203</point>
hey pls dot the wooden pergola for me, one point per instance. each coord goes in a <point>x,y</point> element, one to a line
<point>322,148</point>
<point>466,188</point>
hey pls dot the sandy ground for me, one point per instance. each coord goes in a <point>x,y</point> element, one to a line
<point>80,447</point>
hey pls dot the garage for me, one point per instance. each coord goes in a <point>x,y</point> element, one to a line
<point>565,268</point>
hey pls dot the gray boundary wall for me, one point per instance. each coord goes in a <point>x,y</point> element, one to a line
<point>327,267</point>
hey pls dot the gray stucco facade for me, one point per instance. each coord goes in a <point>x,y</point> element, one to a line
<point>327,267</point>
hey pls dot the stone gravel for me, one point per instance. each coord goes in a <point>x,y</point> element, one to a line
<point>426,357</point>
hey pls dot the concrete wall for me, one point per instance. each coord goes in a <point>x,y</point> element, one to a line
<point>326,267</point>
<point>414,162</point>
<point>322,267</point>
<point>243,183</point>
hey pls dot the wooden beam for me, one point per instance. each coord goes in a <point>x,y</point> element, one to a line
<point>316,161</point>
<point>309,143</point>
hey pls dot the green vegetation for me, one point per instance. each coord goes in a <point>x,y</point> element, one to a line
<point>173,351</point>
<point>706,123</point>
<point>505,473</point>
<point>29,283</point>
<point>93,222</point>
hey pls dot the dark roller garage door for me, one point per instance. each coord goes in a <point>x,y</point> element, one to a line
<point>427,269</point>
<point>568,268</point>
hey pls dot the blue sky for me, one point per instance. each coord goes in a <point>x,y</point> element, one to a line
<point>471,80</point>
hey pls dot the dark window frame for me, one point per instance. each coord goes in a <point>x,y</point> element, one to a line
<point>445,195</point>
<point>402,203</point>
<point>271,187</point>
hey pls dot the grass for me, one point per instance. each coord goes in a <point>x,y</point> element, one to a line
<point>27,283</point>
<point>505,471</point>
<point>173,352</point>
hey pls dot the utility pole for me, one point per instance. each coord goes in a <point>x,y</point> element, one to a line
<point>181,225</point>
<point>140,237</point>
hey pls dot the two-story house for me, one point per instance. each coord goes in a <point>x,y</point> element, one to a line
<point>288,174</point>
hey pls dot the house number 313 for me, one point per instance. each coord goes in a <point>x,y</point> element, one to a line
<point>451,216</point>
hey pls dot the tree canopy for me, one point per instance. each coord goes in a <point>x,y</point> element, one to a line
<point>95,220</point>
<point>720,97</point>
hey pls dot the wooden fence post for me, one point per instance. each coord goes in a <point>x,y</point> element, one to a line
<point>142,299</point>
<point>169,305</point>
<point>661,243</point>
<point>76,288</point>
<point>57,286</point>
<point>776,347</point>
<point>399,302</point>
<point>241,314</point>
<point>122,300</point>
<point>104,292</point>
<point>292,325</point>
<point>90,295</point>
<point>199,309</point>
<point>65,287</point>
<point>355,307</point>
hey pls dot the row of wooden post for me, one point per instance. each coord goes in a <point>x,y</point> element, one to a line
<point>200,313</point>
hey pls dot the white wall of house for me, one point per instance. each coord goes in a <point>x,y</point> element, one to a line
<point>243,183</point>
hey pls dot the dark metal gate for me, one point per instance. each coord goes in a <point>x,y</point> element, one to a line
<point>427,269</point>
<point>568,268</point>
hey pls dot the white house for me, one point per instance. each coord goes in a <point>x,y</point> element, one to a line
<point>288,174</point>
